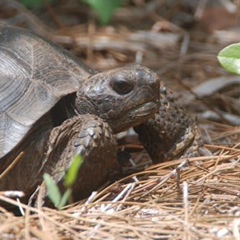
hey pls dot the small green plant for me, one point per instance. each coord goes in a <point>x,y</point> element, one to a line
<point>104,8</point>
<point>60,200</point>
<point>229,58</point>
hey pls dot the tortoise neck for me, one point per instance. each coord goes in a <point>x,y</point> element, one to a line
<point>64,110</point>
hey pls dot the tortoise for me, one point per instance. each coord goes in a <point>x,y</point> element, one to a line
<point>53,107</point>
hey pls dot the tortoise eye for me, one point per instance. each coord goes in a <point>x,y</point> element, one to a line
<point>121,86</point>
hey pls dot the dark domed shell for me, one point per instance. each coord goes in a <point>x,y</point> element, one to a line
<point>34,75</point>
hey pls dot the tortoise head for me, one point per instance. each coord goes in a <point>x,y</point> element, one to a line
<point>124,97</point>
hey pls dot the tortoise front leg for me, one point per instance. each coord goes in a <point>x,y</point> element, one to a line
<point>171,133</point>
<point>90,137</point>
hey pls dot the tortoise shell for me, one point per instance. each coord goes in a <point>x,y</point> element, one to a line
<point>34,75</point>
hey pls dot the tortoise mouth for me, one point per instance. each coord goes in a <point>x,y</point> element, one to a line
<point>145,109</point>
<point>135,116</point>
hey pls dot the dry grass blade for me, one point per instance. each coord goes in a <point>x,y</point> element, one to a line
<point>12,165</point>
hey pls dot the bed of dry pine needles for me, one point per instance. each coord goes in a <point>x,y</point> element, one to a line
<point>196,198</point>
<point>193,199</point>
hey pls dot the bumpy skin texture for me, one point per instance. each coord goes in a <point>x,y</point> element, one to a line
<point>53,107</point>
<point>171,133</point>
<point>90,137</point>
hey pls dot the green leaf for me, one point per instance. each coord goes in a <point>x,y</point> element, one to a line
<point>66,196</point>
<point>53,190</point>
<point>229,58</point>
<point>104,8</point>
<point>72,173</point>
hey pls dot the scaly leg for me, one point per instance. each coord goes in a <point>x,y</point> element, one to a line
<point>90,137</point>
<point>171,133</point>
